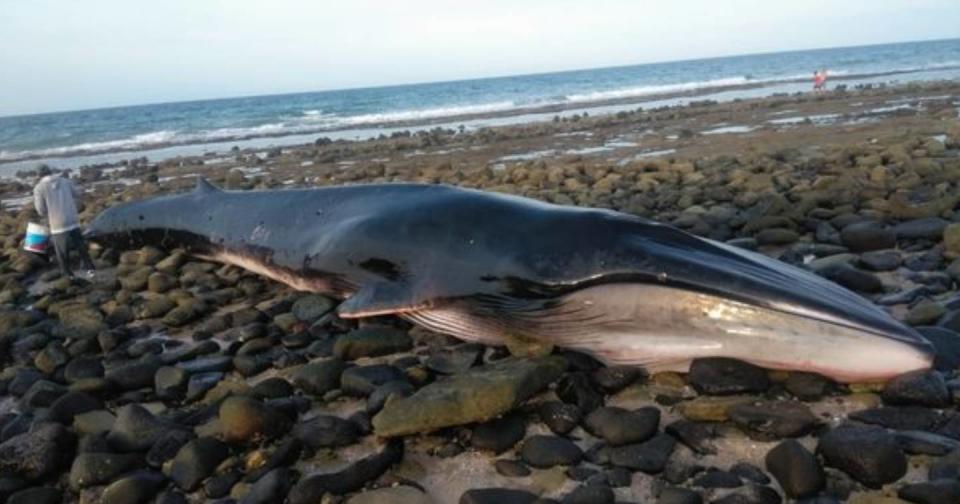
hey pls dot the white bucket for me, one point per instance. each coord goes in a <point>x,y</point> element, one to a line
<point>37,239</point>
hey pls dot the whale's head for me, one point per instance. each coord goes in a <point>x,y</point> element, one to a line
<point>163,220</point>
<point>762,310</point>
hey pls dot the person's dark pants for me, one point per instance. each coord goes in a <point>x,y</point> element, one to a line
<point>64,243</point>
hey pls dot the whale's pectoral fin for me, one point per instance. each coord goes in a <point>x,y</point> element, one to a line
<point>381,298</point>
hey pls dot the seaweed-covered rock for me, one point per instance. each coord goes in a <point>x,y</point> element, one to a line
<point>475,396</point>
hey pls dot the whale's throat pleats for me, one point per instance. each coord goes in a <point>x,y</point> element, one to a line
<point>663,329</point>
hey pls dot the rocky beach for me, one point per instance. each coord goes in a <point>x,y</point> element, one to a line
<point>168,379</point>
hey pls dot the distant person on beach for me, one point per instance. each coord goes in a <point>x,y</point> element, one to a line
<point>53,197</point>
<point>819,80</point>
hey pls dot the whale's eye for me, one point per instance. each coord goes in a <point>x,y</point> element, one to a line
<point>141,217</point>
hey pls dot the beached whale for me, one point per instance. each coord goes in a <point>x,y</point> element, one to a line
<point>493,268</point>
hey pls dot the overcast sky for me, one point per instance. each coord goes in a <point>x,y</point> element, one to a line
<point>71,54</point>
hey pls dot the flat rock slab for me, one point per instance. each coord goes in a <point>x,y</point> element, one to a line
<point>475,396</point>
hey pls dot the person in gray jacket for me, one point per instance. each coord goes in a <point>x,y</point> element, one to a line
<point>53,197</point>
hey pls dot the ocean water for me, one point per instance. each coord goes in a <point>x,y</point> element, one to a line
<point>73,138</point>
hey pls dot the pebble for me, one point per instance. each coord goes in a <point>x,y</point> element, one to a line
<point>942,491</point>
<point>326,431</point>
<point>453,361</point>
<point>947,344</point>
<point>499,435</point>
<point>920,388</point>
<point>273,388</point>
<point>311,307</point>
<point>795,469</point>
<point>751,494</point>
<point>318,377</point>
<point>36,495</point>
<point>244,419</point>
<point>710,409</point>
<point>866,236</point>
<point>900,417</point>
<point>577,389</point>
<point>749,472</point>
<point>880,260</point>
<point>722,376</point>
<point>94,422</point>
<point>590,494</point>
<point>208,364</point>
<point>170,497</point>
<point>201,383</point>
<point>511,468</point>
<point>769,420</point>
<point>925,312</point>
<point>649,457</point>
<point>371,342</point>
<point>361,381</point>
<point>255,346</point>
<point>869,455</point>
<point>698,436</point>
<point>384,392</point>
<point>905,296</point>
<point>677,495</point>
<point>310,489</point>
<point>90,469</point>
<point>220,482</point>
<point>171,382</point>
<point>619,426</point>
<point>926,443</point>
<point>547,451</point>
<point>717,479</point>
<point>853,279</point>
<point>167,446</point>
<point>37,453</point>
<point>136,429</point>
<point>777,236</point>
<point>42,394</point>
<point>134,375</point>
<point>23,379</point>
<point>196,461</point>
<point>401,494</point>
<point>497,496</point>
<point>807,386</point>
<point>929,228</point>
<point>946,467</point>
<point>613,379</point>
<point>71,404</point>
<point>273,487</point>
<point>559,417</point>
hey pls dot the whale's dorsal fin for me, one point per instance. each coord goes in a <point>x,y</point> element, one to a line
<point>381,298</point>
<point>204,186</point>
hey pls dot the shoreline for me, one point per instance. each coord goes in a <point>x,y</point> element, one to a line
<point>75,157</point>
